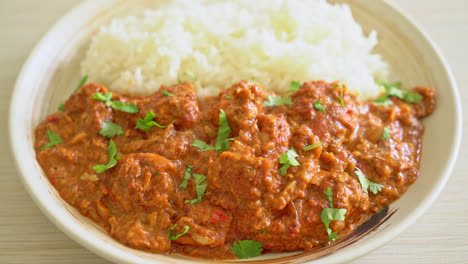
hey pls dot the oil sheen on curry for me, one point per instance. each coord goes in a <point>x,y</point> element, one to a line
<point>235,175</point>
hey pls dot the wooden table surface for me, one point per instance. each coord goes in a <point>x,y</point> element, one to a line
<point>27,236</point>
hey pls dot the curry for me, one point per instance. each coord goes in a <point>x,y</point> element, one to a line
<point>169,173</point>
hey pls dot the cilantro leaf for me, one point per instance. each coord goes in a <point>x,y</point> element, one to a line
<point>341,93</point>
<point>54,139</point>
<point>201,145</point>
<point>313,146</point>
<point>200,191</point>
<point>294,86</point>
<point>288,160</point>
<point>117,105</point>
<point>103,97</point>
<point>189,74</point>
<point>368,184</point>
<point>331,235</point>
<point>187,175</point>
<point>222,140</point>
<point>328,194</point>
<point>396,91</point>
<point>247,249</point>
<point>375,187</point>
<point>61,108</point>
<point>385,134</point>
<point>383,100</point>
<point>277,100</point>
<point>174,237</point>
<point>329,214</point>
<point>166,93</point>
<point>147,123</point>
<point>228,97</point>
<point>199,188</point>
<point>125,107</point>
<point>224,130</point>
<point>412,97</point>
<point>83,82</point>
<point>318,105</point>
<point>199,178</point>
<point>387,86</point>
<point>110,129</point>
<point>113,157</point>
<point>341,97</point>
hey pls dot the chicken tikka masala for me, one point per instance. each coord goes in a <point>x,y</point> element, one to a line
<point>235,175</point>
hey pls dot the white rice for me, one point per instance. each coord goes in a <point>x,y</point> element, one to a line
<point>270,41</point>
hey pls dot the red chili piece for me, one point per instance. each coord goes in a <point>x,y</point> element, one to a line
<point>219,216</point>
<point>52,119</point>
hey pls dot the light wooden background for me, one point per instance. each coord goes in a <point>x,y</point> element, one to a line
<point>27,236</point>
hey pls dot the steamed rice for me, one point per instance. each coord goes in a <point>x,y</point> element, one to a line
<point>270,41</point>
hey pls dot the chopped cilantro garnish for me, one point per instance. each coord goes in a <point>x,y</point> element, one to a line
<point>222,140</point>
<point>54,139</point>
<point>228,97</point>
<point>385,134</point>
<point>328,194</point>
<point>313,146</point>
<point>61,108</point>
<point>83,82</point>
<point>187,175</point>
<point>189,74</point>
<point>113,157</point>
<point>110,129</point>
<point>117,105</point>
<point>174,237</point>
<point>294,86</point>
<point>199,178</point>
<point>277,100</point>
<point>329,214</point>
<point>396,92</point>
<point>199,188</point>
<point>288,160</point>
<point>341,93</point>
<point>201,145</point>
<point>368,184</point>
<point>224,130</point>
<point>383,100</point>
<point>341,97</point>
<point>318,105</point>
<point>247,249</point>
<point>166,93</point>
<point>387,86</point>
<point>394,89</point>
<point>125,107</point>
<point>103,97</point>
<point>148,122</point>
<point>200,191</point>
<point>412,97</point>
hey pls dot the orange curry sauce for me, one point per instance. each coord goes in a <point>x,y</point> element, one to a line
<point>246,198</point>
